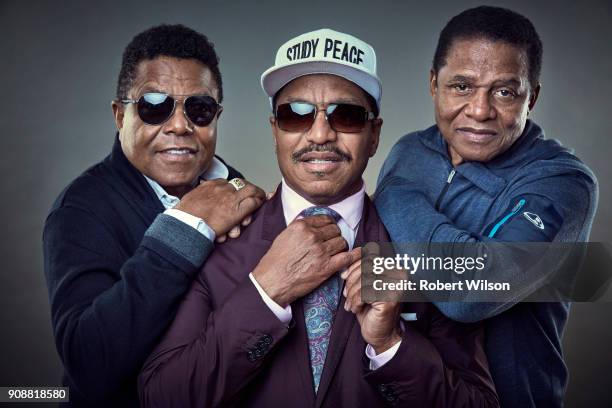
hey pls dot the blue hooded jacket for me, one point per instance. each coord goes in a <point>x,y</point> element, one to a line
<point>421,198</point>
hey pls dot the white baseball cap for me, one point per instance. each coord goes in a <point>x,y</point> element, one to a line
<point>324,51</point>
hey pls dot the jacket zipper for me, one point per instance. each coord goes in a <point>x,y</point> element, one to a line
<point>445,189</point>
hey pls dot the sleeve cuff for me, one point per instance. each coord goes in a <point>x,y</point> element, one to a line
<point>193,221</point>
<point>178,238</point>
<point>378,360</point>
<point>283,314</point>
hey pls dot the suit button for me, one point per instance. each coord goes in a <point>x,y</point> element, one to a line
<point>260,346</point>
<point>259,353</point>
<point>267,339</point>
<point>251,356</point>
<point>382,388</point>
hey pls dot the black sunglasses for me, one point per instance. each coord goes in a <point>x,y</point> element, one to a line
<point>342,117</point>
<point>154,108</point>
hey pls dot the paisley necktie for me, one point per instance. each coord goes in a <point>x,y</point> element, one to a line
<point>319,309</point>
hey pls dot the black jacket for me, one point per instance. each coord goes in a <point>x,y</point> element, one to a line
<point>116,271</point>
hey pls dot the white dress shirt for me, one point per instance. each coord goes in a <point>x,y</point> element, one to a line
<point>350,209</point>
<point>216,170</point>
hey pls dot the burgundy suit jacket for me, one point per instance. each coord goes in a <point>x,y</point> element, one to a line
<point>227,349</point>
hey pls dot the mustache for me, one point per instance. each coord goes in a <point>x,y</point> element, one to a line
<point>328,147</point>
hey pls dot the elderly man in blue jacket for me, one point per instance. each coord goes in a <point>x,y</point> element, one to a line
<point>485,173</point>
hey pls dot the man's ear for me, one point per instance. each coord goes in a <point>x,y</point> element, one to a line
<point>376,126</point>
<point>433,83</point>
<point>533,98</point>
<point>118,113</point>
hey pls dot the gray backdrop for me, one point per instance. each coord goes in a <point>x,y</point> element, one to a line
<point>59,66</point>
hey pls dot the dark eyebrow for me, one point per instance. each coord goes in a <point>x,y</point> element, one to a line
<point>508,82</point>
<point>500,82</point>
<point>461,78</point>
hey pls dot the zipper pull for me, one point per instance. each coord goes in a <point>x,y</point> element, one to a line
<point>449,179</point>
<point>450,176</point>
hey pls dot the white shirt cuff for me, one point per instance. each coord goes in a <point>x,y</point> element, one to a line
<point>379,360</point>
<point>193,221</point>
<point>283,314</point>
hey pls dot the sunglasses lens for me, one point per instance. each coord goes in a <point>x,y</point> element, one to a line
<point>295,116</point>
<point>155,108</point>
<point>347,118</point>
<point>201,109</point>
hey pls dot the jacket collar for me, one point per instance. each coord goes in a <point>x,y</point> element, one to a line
<point>132,183</point>
<point>433,139</point>
<point>489,176</point>
<point>135,185</point>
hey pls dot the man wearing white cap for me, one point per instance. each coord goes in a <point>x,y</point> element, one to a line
<point>265,323</point>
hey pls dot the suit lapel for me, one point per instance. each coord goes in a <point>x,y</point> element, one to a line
<point>299,347</point>
<point>273,218</point>
<point>369,230</point>
<point>341,330</point>
<point>131,184</point>
<point>273,224</point>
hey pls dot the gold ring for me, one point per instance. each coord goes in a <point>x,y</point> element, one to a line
<point>237,183</point>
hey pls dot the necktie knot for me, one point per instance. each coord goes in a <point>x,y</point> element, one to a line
<point>319,210</point>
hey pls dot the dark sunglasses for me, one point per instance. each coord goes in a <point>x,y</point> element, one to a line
<point>154,108</point>
<point>342,117</point>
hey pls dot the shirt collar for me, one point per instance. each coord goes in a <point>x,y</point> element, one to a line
<point>350,209</point>
<point>216,170</point>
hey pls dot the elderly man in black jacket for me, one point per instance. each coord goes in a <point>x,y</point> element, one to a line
<point>123,241</point>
